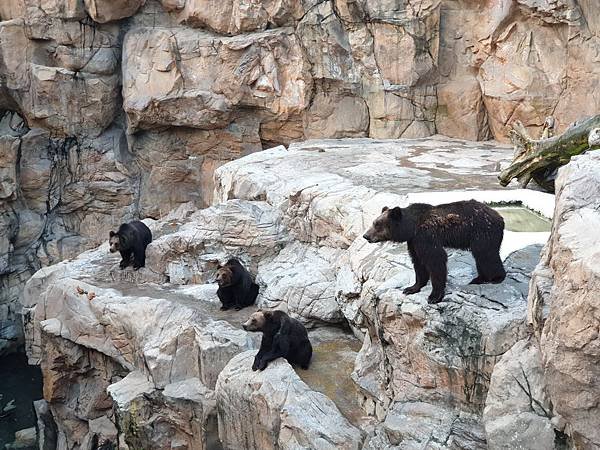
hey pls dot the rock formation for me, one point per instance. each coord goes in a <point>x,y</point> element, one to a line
<point>162,365</point>
<point>117,110</point>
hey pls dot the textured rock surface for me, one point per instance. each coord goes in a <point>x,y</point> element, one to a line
<point>275,409</point>
<point>517,411</point>
<point>418,425</point>
<point>564,301</point>
<point>303,279</point>
<point>330,191</point>
<point>182,415</point>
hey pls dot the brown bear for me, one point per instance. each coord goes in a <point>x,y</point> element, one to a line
<point>466,225</point>
<point>131,240</point>
<point>282,337</point>
<point>236,287</point>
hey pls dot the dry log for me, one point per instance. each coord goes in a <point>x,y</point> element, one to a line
<point>536,158</point>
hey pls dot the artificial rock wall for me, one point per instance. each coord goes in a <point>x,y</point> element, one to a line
<point>121,109</point>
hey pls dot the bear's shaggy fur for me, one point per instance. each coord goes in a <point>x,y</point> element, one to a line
<point>236,287</point>
<point>131,239</point>
<point>282,337</point>
<point>466,225</point>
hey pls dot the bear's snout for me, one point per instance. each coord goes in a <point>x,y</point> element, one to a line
<point>244,327</point>
<point>367,238</point>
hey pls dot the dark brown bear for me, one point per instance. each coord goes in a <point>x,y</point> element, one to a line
<point>282,337</point>
<point>131,240</point>
<point>466,225</point>
<point>236,287</point>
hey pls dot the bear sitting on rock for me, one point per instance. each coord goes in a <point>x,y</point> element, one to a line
<point>131,240</point>
<point>236,287</point>
<point>282,337</point>
<point>465,225</point>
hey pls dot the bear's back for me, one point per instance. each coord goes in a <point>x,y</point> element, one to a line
<point>456,224</point>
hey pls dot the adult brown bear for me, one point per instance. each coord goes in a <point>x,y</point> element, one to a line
<point>131,240</point>
<point>237,289</point>
<point>466,225</point>
<point>283,336</point>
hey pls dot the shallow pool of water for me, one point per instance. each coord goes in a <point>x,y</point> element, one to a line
<point>329,373</point>
<point>23,384</point>
<point>522,219</point>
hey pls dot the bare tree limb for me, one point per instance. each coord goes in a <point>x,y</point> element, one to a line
<point>535,158</point>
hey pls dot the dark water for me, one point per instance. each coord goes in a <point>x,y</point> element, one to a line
<point>23,383</point>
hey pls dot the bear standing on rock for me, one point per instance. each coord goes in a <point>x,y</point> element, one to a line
<point>282,337</point>
<point>465,225</point>
<point>131,240</point>
<point>236,287</point>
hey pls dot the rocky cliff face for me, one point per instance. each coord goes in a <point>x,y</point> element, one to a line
<point>114,110</point>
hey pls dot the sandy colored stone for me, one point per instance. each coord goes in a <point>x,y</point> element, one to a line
<point>103,11</point>
<point>301,280</point>
<point>275,409</point>
<point>517,409</point>
<point>182,414</point>
<point>216,77</point>
<point>233,17</point>
<point>565,298</point>
<point>9,146</point>
<point>12,9</point>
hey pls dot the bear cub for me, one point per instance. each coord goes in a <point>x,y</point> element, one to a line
<point>236,287</point>
<point>131,240</point>
<point>282,336</point>
<point>465,225</point>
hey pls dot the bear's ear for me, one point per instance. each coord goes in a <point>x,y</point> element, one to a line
<point>111,234</point>
<point>396,213</point>
<point>268,314</point>
<point>384,209</point>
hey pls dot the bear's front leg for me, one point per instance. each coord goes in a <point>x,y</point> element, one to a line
<point>258,361</point>
<point>421,273</point>
<point>436,266</point>
<point>125,259</point>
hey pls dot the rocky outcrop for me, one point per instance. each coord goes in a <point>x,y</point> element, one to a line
<point>518,411</point>
<point>542,391</point>
<point>274,409</point>
<point>187,84</point>
<point>564,301</point>
<point>182,415</point>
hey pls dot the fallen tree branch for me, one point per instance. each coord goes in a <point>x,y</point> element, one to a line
<point>536,158</point>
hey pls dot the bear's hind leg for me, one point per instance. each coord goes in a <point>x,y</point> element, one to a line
<point>139,258</point>
<point>489,266</point>
<point>304,355</point>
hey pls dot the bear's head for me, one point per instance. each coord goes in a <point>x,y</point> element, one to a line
<point>114,240</point>
<point>257,320</point>
<point>385,227</point>
<point>224,276</point>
